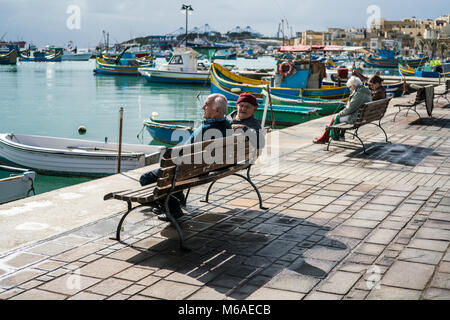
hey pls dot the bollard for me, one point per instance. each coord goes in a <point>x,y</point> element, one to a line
<point>120,139</point>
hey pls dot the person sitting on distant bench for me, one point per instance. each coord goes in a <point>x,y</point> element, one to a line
<point>243,119</point>
<point>349,114</point>
<point>214,111</point>
<point>376,85</point>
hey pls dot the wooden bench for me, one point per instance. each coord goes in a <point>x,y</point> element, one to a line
<point>367,114</point>
<point>443,93</point>
<point>184,167</point>
<point>423,95</point>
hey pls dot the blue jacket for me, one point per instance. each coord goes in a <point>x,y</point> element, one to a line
<point>217,124</point>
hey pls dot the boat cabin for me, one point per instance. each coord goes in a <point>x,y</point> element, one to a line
<point>182,62</point>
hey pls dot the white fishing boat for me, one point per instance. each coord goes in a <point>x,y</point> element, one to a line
<point>183,67</point>
<point>73,157</point>
<point>15,183</point>
<point>76,56</point>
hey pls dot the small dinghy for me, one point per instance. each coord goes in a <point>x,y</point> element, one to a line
<point>15,183</point>
<point>169,132</point>
<point>73,157</point>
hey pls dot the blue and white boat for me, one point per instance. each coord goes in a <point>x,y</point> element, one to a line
<point>182,68</point>
<point>15,183</point>
<point>169,132</point>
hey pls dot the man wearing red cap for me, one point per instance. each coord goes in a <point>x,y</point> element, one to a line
<point>243,118</point>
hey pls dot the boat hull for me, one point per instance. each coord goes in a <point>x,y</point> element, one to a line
<point>284,115</point>
<point>103,67</point>
<point>9,58</point>
<point>372,62</point>
<point>323,107</point>
<point>169,131</point>
<point>52,58</point>
<point>76,57</point>
<point>229,81</point>
<point>161,76</point>
<point>72,157</point>
<point>15,183</point>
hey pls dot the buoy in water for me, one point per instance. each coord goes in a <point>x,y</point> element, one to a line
<point>81,130</point>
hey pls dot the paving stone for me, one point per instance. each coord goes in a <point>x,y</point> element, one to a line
<point>36,294</point>
<point>350,232</point>
<point>87,296</point>
<point>441,280</point>
<point>434,245</point>
<point>79,252</point>
<point>169,290</point>
<point>421,256</point>
<point>389,200</point>
<point>69,284</point>
<point>22,259</point>
<point>382,236</point>
<point>134,274</point>
<point>361,223</point>
<point>392,293</point>
<point>209,293</point>
<point>444,267</point>
<point>408,275</point>
<point>339,282</point>
<point>49,265</point>
<point>292,281</point>
<point>19,277</point>
<point>276,248</point>
<point>326,253</point>
<point>434,234</point>
<point>371,215</point>
<point>104,268</point>
<point>110,286</point>
<point>10,293</point>
<point>356,294</point>
<point>50,248</point>
<point>437,294</point>
<point>148,281</point>
<point>370,248</point>
<point>274,294</point>
<point>317,295</point>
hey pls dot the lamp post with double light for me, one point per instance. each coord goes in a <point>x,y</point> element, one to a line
<point>186,9</point>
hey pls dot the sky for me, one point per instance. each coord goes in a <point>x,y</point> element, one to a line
<point>55,22</point>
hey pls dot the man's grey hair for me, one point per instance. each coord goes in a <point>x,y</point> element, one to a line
<point>354,81</point>
<point>220,102</point>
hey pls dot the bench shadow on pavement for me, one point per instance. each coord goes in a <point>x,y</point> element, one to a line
<point>395,153</point>
<point>235,257</point>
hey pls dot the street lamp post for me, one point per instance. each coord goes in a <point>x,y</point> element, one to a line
<point>187,9</point>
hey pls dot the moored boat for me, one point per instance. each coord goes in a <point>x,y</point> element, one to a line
<point>15,183</point>
<point>41,56</point>
<point>169,131</point>
<point>387,59</point>
<point>440,70</point>
<point>224,80</point>
<point>73,157</point>
<point>9,57</point>
<point>182,67</point>
<point>284,115</point>
<point>125,63</point>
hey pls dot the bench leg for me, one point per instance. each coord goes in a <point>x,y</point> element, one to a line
<point>175,223</point>
<point>119,227</point>
<point>379,125</point>
<point>249,180</point>
<point>355,134</point>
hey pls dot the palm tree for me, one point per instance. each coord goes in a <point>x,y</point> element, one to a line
<point>421,44</point>
<point>443,49</point>
<point>433,46</point>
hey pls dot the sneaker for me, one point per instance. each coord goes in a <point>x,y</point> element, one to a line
<point>167,219</point>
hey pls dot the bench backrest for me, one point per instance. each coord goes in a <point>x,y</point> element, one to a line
<point>198,159</point>
<point>447,85</point>
<point>420,95</point>
<point>372,111</point>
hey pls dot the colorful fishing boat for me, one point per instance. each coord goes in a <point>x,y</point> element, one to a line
<point>73,157</point>
<point>387,59</point>
<point>284,115</point>
<point>15,183</point>
<point>125,63</point>
<point>182,67</point>
<point>324,107</point>
<point>9,57</point>
<point>290,85</point>
<point>41,56</point>
<point>169,132</point>
<point>427,71</point>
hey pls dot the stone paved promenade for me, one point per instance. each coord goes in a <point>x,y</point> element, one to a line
<point>340,225</point>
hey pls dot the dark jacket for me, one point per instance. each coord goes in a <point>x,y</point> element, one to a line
<point>379,94</point>
<point>251,123</point>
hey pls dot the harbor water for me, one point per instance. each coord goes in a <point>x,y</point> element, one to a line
<point>55,98</point>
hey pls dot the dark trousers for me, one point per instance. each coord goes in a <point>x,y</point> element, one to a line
<point>174,201</point>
